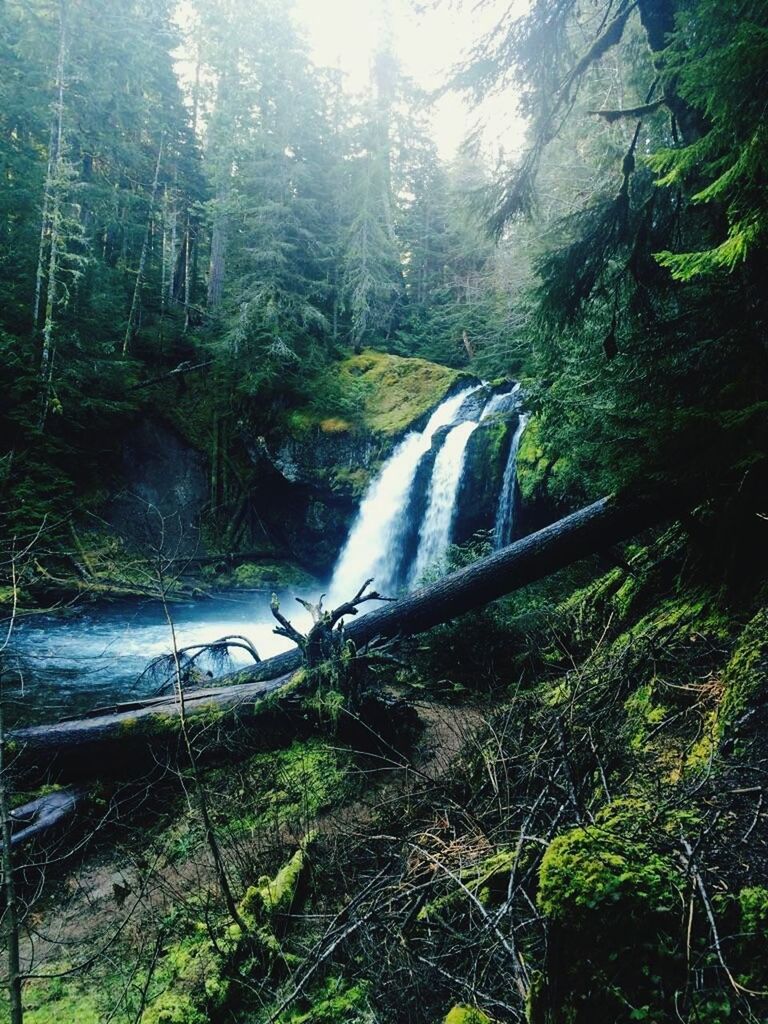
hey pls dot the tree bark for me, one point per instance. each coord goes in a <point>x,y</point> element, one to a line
<point>39,817</point>
<point>144,249</point>
<point>239,695</point>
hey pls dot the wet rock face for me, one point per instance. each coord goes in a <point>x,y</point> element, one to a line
<point>164,492</point>
<point>341,461</point>
<point>539,501</point>
<point>481,482</point>
<point>309,488</point>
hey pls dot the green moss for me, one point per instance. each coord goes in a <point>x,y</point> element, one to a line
<point>644,714</point>
<point>297,783</point>
<point>611,867</point>
<point>276,895</point>
<point>746,674</point>
<point>394,391</point>
<point>270,576</point>
<point>349,481</point>
<point>191,979</point>
<point>373,391</point>
<point>174,1008</point>
<point>337,1002</point>
<point>466,1015</point>
<point>60,1000</point>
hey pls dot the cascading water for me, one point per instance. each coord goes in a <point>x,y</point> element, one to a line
<point>503,528</point>
<point>373,548</point>
<point>435,532</point>
<point>502,403</point>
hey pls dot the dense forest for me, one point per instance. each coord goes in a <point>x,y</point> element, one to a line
<point>261,338</point>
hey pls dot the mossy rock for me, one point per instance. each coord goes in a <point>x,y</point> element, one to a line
<point>462,1014</point>
<point>381,393</point>
<point>485,461</point>
<point>541,479</point>
<point>395,391</point>
<point>611,891</point>
<point>621,867</point>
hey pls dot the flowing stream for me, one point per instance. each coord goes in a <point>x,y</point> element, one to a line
<point>65,664</point>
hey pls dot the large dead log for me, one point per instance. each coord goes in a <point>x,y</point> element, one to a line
<point>239,695</point>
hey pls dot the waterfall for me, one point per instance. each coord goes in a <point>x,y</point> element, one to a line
<point>502,403</point>
<point>435,532</point>
<point>503,528</point>
<point>373,548</point>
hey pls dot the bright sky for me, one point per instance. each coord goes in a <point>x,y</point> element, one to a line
<point>346,34</point>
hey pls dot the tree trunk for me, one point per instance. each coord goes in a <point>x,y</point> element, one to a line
<point>218,249</point>
<point>51,224</point>
<point>144,250</point>
<point>239,695</point>
<point>658,20</point>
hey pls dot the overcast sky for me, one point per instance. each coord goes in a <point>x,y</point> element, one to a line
<point>346,33</point>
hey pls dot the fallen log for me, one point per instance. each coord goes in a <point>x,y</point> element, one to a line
<point>115,741</point>
<point>585,532</point>
<point>239,695</point>
<point>41,816</point>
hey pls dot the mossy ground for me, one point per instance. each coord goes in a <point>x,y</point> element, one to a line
<point>380,393</point>
<point>613,781</point>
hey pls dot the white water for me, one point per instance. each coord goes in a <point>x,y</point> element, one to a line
<point>435,532</point>
<point>373,548</point>
<point>503,528</point>
<point>501,403</point>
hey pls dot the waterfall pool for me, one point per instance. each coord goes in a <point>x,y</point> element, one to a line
<point>64,664</point>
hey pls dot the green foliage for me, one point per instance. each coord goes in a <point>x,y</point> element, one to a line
<point>753,903</point>
<point>717,62</point>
